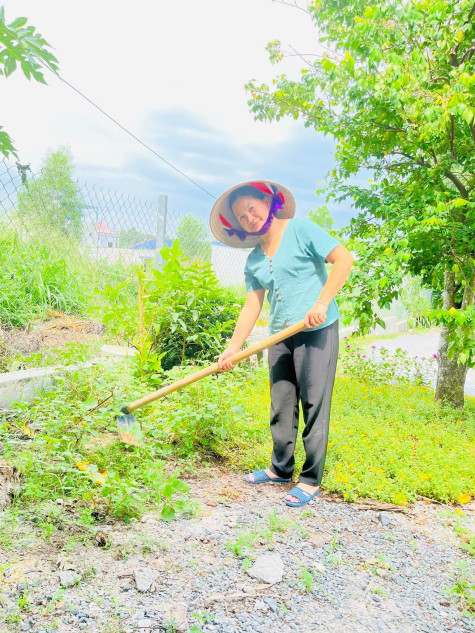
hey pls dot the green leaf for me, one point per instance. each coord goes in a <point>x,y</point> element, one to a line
<point>10,66</point>
<point>167,514</point>
<point>18,22</point>
<point>174,485</point>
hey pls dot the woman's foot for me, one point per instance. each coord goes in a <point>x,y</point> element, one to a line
<point>264,477</point>
<point>310,489</point>
<point>269,473</point>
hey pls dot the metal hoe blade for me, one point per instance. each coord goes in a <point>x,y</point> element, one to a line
<point>128,428</point>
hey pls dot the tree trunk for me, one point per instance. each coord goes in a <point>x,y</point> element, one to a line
<point>451,375</point>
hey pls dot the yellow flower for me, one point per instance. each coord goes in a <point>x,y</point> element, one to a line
<point>82,466</point>
<point>400,499</point>
<point>465,498</point>
<point>380,471</point>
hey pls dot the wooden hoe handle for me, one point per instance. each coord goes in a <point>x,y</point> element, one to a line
<point>213,369</point>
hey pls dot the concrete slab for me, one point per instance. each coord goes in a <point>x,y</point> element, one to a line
<point>27,384</point>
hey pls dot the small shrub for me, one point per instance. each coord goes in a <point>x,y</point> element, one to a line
<point>182,313</point>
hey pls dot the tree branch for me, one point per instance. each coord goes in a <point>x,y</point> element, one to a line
<point>452,135</point>
<point>418,161</point>
<point>468,54</point>
<point>454,53</point>
<point>294,5</point>
<point>302,57</point>
<point>453,178</point>
<point>388,127</point>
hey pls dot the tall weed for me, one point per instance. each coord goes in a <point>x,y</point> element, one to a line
<point>36,277</point>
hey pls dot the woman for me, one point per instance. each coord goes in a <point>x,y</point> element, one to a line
<point>288,260</point>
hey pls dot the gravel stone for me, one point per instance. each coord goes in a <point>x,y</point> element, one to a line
<point>352,590</point>
<point>144,578</point>
<point>268,568</point>
<point>68,578</point>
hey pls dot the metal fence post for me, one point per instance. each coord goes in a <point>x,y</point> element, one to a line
<point>162,210</point>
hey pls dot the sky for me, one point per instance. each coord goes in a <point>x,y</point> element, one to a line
<point>173,73</point>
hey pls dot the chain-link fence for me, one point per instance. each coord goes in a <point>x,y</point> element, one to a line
<point>92,224</point>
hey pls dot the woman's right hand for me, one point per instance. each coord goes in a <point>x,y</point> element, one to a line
<point>223,364</point>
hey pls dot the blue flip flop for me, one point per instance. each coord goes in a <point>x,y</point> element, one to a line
<point>261,477</point>
<point>301,494</point>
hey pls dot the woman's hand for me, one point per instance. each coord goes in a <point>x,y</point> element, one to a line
<point>316,315</point>
<point>226,365</point>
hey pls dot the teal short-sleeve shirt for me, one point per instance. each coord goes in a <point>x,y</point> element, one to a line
<point>296,274</point>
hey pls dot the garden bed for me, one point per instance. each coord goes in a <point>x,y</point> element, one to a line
<point>60,339</point>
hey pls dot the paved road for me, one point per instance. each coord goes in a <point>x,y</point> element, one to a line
<point>423,345</point>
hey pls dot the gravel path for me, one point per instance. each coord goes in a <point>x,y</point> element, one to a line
<point>336,567</point>
<point>423,345</point>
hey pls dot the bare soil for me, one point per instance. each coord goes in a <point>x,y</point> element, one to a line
<point>54,333</point>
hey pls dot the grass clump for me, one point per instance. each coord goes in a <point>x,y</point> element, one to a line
<point>36,277</point>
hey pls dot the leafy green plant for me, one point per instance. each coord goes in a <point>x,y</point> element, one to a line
<point>194,313</point>
<point>21,46</point>
<point>183,313</point>
<point>463,589</point>
<point>70,453</point>
<point>307,579</point>
<point>383,366</point>
<point>243,544</point>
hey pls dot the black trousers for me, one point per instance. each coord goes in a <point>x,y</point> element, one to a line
<point>302,369</point>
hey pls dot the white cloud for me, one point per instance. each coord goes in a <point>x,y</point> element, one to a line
<point>134,59</point>
<point>142,61</point>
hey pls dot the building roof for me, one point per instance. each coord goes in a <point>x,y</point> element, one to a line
<point>102,228</point>
<point>151,244</point>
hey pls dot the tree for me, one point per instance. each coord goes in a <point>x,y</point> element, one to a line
<point>52,202</point>
<point>132,236</point>
<point>194,238</point>
<point>322,217</point>
<point>395,88</point>
<point>19,44</point>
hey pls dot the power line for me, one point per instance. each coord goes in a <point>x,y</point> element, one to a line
<point>127,131</point>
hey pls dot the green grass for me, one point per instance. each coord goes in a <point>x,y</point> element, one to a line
<point>36,276</point>
<point>387,441</point>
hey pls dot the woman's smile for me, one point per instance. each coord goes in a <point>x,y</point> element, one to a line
<point>251,213</point>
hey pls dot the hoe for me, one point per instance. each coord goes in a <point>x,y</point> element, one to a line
<point>129,428</point>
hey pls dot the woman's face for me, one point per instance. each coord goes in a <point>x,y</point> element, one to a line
<point>251,213</point>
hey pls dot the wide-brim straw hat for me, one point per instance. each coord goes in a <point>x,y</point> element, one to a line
<point>222,207</point>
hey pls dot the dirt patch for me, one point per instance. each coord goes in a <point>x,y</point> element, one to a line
<point>59,330</point>
<point>342,567</point>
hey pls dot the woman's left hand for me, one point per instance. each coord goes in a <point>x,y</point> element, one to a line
<point>316,315</point>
